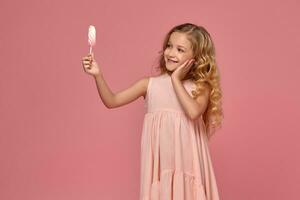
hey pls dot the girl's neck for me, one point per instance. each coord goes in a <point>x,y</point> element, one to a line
<point>168,73</point>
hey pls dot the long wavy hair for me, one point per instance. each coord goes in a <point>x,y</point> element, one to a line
<point>204,72</point>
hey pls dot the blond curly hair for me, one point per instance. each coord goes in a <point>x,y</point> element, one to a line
<point>204,72</point>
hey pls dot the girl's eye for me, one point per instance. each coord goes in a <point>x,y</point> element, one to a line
<point>180,50</point>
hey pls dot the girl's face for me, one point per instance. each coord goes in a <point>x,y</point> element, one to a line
<point>178,50</point>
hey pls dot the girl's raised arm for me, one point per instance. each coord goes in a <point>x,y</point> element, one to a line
<point>111,100</point>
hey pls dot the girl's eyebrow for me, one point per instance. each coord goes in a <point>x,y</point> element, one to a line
<point>178,45</point>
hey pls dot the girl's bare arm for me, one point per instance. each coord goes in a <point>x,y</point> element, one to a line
<point>111,100</point>
<point>193,108</point>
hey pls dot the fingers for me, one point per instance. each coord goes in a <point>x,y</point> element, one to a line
<point>191,61</point>
<point>87,62</point>
<point>188,63</point>
<point>86,66</point>
<point>88,57</point>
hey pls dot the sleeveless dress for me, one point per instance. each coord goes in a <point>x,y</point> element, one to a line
<point>175,159</point>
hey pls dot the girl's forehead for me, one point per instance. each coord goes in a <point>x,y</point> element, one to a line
<point>180,39</point>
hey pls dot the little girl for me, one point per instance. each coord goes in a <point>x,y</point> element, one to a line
<point>183,107</point>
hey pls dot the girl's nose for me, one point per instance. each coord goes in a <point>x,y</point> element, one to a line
<point>172,53</point>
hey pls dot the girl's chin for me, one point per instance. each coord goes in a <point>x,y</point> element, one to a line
<point>171,65</point>
<point>171,69</point>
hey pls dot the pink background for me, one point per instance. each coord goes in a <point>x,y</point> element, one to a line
<point>58,141</point>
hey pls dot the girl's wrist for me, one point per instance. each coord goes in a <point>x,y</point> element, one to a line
<point>174,78</point>
<point>99,75</point>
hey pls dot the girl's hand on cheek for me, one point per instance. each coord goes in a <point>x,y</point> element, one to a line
<point>182,70</point>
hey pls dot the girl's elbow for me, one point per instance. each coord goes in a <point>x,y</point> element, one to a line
<point>192,116</point>
<point>195,115</point>
<point>109,105</point>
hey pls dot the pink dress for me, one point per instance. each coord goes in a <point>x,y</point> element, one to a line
<point>175,159</point>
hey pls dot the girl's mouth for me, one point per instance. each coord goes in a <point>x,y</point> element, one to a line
<point>171,61</point>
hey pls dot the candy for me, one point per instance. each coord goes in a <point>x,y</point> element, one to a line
<point>92,37</point>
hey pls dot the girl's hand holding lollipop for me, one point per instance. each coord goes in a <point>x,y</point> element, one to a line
<point>89,64</point>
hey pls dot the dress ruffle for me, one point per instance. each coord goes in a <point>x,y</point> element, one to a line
<point>176,185</point>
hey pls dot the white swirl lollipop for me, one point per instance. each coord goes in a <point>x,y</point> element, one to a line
<point>92,37</point>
